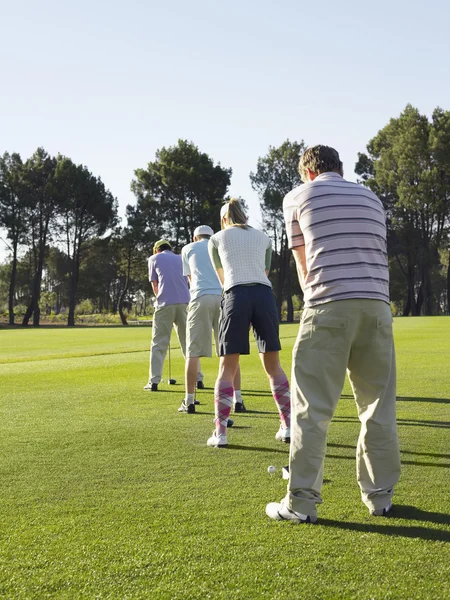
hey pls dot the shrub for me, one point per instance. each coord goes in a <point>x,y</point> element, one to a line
<point>85,307</point>
<point>98,319</point>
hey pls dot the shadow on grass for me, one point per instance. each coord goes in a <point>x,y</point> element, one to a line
<point>165,391</point>
<point>258,449</point>
<point>402,452</point>
<point>408,399</point>
<point>259,412</point>
<point>235,415</point>
<point>431,454</point>
<point>416,514</point>
<point>432,400</point>
<point>423,423</point>
<point>401,512</point>
<point>64,326</point>
<point>404,462</point>
<point>402,422</point>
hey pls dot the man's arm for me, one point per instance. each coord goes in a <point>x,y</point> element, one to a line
<point>185,263</point>
<point>295,237</point>
<point>300,263</point>
<point>153,275</point>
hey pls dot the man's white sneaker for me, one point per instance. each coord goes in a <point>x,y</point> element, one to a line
<point>151,387</point>
<point>283,434</point>
<point>217,441</point>
<point>187,408</point>
<point>382,512</point>
<point>279,512</point>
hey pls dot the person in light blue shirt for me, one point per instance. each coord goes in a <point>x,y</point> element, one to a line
<point>203,314</point>
<point>197,265</point>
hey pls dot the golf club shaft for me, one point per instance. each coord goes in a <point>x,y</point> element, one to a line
<point>170,369</point>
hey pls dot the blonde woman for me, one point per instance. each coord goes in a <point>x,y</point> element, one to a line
<point>241,257</point>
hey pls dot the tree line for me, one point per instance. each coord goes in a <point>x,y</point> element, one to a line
<point>66,245</point>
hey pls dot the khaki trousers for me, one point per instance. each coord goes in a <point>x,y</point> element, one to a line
<point>164,318</point>
<point>202,318</point>
<point>353,336</point>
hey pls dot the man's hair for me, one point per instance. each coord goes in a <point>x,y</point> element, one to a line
<point>164,247</point>
<point>320,159</point>
<point>234,214</point>
<point>203,236</point>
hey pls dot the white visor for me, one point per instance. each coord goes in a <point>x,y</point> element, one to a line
<point>223,210</point>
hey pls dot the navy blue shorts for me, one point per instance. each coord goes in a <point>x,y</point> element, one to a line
<point>245,306</point>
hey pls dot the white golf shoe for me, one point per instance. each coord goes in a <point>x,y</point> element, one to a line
<point>283,434</point>
<point>279,512</point>
<point>187,408</point>
<point>217,441</point>
<point>382,512</point>
<point>151,387</point>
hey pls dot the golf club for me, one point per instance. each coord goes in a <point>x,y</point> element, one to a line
<point>171,381</point>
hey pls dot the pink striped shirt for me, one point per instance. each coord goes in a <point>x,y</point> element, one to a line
<point>343,228</point>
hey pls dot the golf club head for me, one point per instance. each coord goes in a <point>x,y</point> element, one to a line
<point>172,381</point>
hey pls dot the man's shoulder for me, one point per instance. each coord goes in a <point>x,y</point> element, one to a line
<point>343,186</point>
<point>168,257</point>
<point>337,181</point>
<point>295,195</point>
<point>196,248</point>
<point>307,190</point>
<point>362,189</point>
<point>186,249</point>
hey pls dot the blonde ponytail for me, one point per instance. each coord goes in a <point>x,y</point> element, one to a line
<point>233,214</point>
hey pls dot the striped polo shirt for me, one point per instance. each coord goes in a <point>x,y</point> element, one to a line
<point>343,228</point>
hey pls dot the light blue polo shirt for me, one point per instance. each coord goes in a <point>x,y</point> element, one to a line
<point>198,265</point>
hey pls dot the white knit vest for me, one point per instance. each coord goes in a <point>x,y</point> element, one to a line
<point>242,253</point>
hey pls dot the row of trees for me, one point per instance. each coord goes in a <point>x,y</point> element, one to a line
<point>63,234</point>
<point>43,200</point>
<point>407,164</point>
<point>66,244</point>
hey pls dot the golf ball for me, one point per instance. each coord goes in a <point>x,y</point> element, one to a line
<point>271,469</point>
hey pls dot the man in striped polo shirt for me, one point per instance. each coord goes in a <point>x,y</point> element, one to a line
<point>337,232</point>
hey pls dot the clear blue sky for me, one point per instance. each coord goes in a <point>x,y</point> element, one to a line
<point>107,83</point>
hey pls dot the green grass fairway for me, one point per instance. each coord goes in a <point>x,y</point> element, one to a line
<point>107,492</point>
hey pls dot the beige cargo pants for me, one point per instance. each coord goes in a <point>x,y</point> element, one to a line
<point>353,336</point>
<point>164,318</point>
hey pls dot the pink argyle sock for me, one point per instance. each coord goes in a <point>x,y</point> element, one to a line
<point>282,396</point>
<point>223,401</point>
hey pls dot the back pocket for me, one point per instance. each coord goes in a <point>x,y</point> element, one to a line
<point>328,333</point>
<point>384,332</point>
